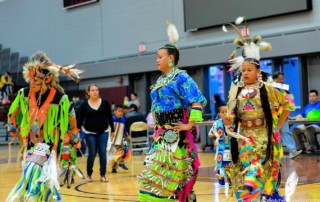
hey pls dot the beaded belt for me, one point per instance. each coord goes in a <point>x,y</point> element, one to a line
<point>253,123</point>
<point>172,116</point>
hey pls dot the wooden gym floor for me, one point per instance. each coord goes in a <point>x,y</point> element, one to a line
<point>123,186</point>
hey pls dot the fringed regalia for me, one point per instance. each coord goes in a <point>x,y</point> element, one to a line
<point>68,156</point>
<point>39,180</point>
<point>255,144</point>
<point>41,115</point>
<point>172,164</point>
<point>120,143</point>
<point>223,152</point>
<point>251,176</point>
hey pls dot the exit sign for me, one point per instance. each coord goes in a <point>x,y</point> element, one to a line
<point>142,48</point>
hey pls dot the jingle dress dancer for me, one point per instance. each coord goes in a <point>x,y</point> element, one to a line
<point>44,114</point>
<point>257,111</point>
<point>172,166</point>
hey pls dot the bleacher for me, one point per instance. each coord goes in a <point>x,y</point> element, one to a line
<point>13,63</point>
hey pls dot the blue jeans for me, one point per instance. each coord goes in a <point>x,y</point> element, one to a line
<point>97,143</point>
<point>287,138</point>
<point>83,144</point>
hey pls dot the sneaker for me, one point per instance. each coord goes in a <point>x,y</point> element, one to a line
<point>104,179</point>
<point>310,151</point>
<point>89,178</point>
<point>114,170</point>
<point>123,166</point>
<point>294,154</point>
<point>221,182</point>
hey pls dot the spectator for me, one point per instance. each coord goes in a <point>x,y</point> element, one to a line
<point>285,134</point>
<point>134,116</point>
<point>125,110</point>
<point>308,130</point>
<point>95,118</point>
<point>113,106</point>
<point>125,101</point>
<point>134,100</point>
<point>150,122</point>
<point>7,85</point>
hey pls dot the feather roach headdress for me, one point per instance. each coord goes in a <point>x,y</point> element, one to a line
<point>249,45</point>
<point>41,66</point>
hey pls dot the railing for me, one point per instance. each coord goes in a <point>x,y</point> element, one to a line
<point>303,121</point>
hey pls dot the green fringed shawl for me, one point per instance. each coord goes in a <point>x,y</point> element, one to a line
<point>55,123</point>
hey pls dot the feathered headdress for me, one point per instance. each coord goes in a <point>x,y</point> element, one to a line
<point>249,45</point>
<point>41,64</point>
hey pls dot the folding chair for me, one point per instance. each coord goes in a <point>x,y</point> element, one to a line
<point>139,136</point>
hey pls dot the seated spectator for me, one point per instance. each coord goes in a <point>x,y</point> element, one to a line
<point>308,130</point>
<point>134,100</point>
<point>125,110</point>
<point>150,123</point>
<point>7,87</point>
<point>125,101</point>
<point>133,116</point>
<point>285,134</point>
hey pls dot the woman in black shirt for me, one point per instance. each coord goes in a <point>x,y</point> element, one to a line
<point>94,119</point>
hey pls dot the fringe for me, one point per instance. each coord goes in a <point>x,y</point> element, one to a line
<point>36,183</point>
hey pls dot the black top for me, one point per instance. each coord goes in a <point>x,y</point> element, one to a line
<point>95,120</point>
<point>133,117</point>
<point>56,99</point>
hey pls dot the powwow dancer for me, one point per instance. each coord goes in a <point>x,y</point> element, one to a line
<point>120,140</point>
<point>68,156</point>
<point>172,167</point>
<point>257,112</point>
<point>44,109</point>
<point>222,142</point>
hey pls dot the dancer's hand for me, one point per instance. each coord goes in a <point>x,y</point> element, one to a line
<point>78,145</point>
<point>227,120</point>
<point>182,127</point>
<point>13,133</point>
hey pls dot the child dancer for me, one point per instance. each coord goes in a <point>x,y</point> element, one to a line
<point>120,140</point>
<point>68,155</point>
<point>222,143</point>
